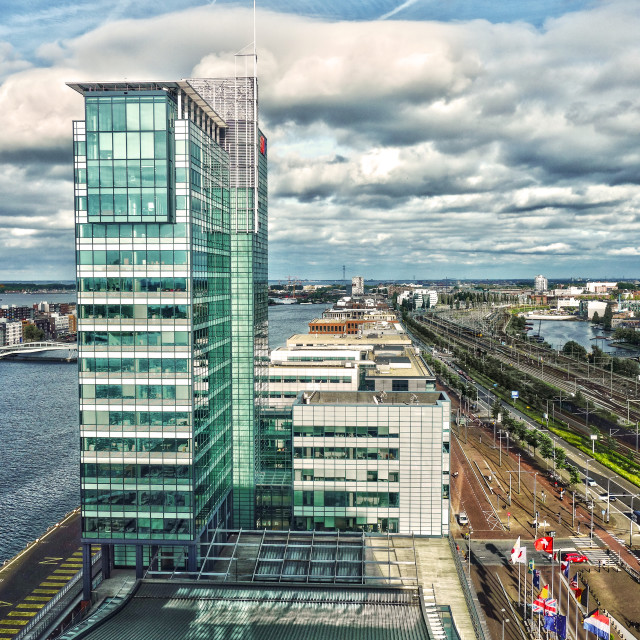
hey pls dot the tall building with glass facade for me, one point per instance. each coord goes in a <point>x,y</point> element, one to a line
<point>169,316</point>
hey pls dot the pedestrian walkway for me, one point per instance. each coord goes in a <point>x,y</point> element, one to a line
<point>583,543</point>
<point>599,557</point>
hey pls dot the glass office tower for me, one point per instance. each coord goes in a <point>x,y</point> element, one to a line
<point>236,100</point>
<point>158,358</point>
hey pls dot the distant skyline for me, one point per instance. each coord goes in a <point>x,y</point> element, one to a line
<point>468,139</point>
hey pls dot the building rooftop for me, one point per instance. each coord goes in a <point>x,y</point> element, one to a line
<point>407,365</point>
<point>372,397</point>
<point>200,610</point>
<point>361,342</point>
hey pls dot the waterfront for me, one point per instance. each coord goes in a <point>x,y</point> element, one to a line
<point>39,476</point>
<point>557,333</point>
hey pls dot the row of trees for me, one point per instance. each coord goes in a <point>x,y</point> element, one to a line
<point>536,440</point>
<point>623,366</point>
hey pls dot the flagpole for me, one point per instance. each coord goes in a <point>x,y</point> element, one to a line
<point>524,602</point>
<point>552,573</point>
<point>519,571</point>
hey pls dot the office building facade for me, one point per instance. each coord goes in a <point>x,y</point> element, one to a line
<point>157,354</point>
<point>369,461</point>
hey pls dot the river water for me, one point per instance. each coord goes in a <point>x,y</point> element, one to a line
<point>559,332</point>
<point>39,459</point>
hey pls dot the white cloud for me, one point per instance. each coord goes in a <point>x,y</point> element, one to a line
<point>403,147</point>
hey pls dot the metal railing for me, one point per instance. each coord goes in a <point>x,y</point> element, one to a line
<point>473,604</point>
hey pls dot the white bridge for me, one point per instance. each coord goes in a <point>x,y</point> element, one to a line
<point>38,347</point>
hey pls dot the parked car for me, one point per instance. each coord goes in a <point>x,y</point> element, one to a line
<point>605,496</point>
<point>462,519</point>
<point>574,556</point>
<point>590,481</point>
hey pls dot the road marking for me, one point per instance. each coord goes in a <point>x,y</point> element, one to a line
<point>22,614</point>
<point>33,605</point>
<point>50,560</point>
<point>77,566</point>
<point>4,604</point>
<point>53,584</point>
<point>38,598</point>
<point>49,591</point>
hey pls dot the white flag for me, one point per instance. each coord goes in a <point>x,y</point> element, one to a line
<point>518,553</point>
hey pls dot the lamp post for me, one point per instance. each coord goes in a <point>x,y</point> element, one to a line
<point>519,456</point>
<point>586,496</point>
<point>609,493</point>
<point>631,521</point>
<point>503,621</point>
<point>469,554</point>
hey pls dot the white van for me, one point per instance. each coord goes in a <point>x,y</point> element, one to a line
<point>462,519</point>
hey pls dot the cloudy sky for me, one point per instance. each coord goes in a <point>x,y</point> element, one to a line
<point>467,138</point>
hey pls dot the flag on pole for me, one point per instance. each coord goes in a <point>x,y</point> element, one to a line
<point>536,578</point>
<point>598,624</point>
<point>557,624</point>
<point>544,592</point>
<point>544,544</point>
<point>584,597</point>
<point>564,566</point>
<point>548,606</point>
<point>573,583</point>
<point>518,553</point>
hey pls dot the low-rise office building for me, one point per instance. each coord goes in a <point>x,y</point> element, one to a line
<point>371,461</point>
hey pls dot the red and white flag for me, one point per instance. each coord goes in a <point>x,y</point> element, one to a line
<point>518,553</point>
<point>544,544</point>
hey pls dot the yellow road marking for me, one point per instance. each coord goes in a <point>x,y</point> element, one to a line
<point>50,560</point>
<point>51,584</point>
<point>38,598</point>
<point>49,591</point>
<point>32,605</point>
<point>69,572</point>
<point>13,622</point>
<point>71,566</point>
<point>9,630</point>
<point>22,614</point>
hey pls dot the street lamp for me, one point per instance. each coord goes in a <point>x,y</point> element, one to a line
<point>586,496</point>
<point>503,621</point>
<point>631,521</point>
<point>609,493</point>
<point>469,552</point>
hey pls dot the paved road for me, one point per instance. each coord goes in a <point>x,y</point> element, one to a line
<point>33,577</point>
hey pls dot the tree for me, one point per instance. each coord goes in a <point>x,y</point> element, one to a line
<point>595,319</point>
<point>496,409</point>
<point>574,475</point>
<point>546,446</point>
<point>533,439</point>
<point>33,333</point>
<point>608,317</point>
<point>561,457</point>
<point>574,349</point>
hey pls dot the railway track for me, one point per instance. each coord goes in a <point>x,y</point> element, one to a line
<point>610,393</point>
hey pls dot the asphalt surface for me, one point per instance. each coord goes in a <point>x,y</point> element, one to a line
<point>30,579</point>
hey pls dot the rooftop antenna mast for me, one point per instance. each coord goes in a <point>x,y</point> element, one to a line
<point>250,113</point>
